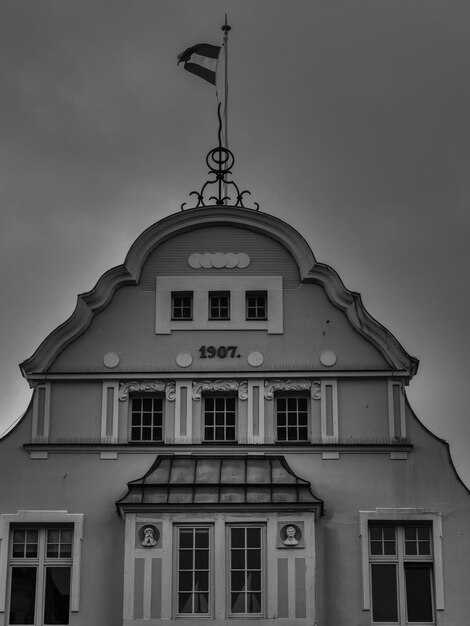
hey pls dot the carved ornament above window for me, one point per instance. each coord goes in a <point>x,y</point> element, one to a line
<point>226,386</point>
<point>294,384</point>
<point>148,386</point>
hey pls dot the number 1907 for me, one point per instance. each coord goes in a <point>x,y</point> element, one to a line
<point>209,352</point>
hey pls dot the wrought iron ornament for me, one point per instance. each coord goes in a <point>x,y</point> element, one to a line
<point>220,161</point>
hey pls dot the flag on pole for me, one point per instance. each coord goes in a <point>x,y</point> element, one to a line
<point>201,60</point>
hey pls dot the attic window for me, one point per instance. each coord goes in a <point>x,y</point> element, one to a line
<point>182,305</point>
<point>256,305</point>
<point>219,305</point>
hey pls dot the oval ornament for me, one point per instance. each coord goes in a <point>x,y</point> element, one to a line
<point>328,358</point>
<point>184,359</point>
<point>111,359</point>
<point>255,359</point>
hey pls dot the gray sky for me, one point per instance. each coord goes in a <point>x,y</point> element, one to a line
<point>348,118</point>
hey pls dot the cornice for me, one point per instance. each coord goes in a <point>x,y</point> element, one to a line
<point>90,303</point>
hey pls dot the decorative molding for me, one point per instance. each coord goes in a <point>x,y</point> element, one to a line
<point>94,301</point>
<point>148,386</point>
<point>201,386</point>
<point>292,384</point>
<point>219,260</point>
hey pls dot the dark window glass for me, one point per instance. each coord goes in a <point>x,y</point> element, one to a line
<point>256,305</point>
<point>245,570</point>
<point>147,419</point>
<point>419,592</point>
<point>219,418</point>
<point>23,595</point>
<point>292,418</point>
<point>57,595</point>
<point>182,305</point>
<point>219,305</point>
<point>193,571</point>
<point>384,593</point>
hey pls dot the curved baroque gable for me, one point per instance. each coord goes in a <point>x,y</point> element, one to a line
<point>92,302</point>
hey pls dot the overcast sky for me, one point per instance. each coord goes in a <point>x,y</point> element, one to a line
<point>348,119</point>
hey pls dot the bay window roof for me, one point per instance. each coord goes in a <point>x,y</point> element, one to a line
<point>199,481</point>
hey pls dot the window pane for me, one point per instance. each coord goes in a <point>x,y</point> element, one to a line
<point>57,595</point>
<point>384,593</point>
<point>186,559</point>
<point>185,603</point>
<point>23,595</point>
<point>418,592</point>
<point>238,559</point>
<point>238,537</point>
<point>254,602</point>
<point>237,604</point>
<point>186,580</point>
<point>238,581</point>
<point>201,559</point>
<point>202,538</point>
<point>201,602</point>
<point>253,559</point>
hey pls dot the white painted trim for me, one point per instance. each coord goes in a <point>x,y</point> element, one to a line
<point>402,515</point>
<point>187,438</point>
<point>391,409</point>
<point>35,436</point>
<point>251,438</point>
<point>42,518</point>
<point>201,286</point>
<point>129,573</point>
<point>104,411</point>
<point>333,383</point>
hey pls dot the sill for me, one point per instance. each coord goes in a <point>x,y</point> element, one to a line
<point>112,450</point>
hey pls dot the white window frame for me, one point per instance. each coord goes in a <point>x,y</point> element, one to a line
<point>215,396</point>
<point>131,411</point>
<point>295,396</point>
<point>397,517</point>
<point>237,286</point>
<point>42,518</point>
<point>211,601</point>
<point>228,544</point>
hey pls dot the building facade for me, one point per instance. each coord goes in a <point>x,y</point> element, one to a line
<point>220,432</point>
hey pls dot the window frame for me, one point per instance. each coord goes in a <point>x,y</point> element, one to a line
<point>215,397</point>
<point>152,397</point>
<point>211,550</point>
<point>36,519</point>
<point>296,396</point>
<point>40,563</point>
<point>256,294</point>
<point>403,517</point>
<point>219,294</point>
<point>228,579</point>
<point>182,294</point>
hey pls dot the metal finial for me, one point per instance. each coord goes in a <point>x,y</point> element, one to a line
<point>220,161</point>
<point>226,28</point>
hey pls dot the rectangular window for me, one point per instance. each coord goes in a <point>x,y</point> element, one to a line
<point>40,573</point>
<point>220,418</point>
<point>401,573</point>
<point>147,419</point>
<point>246,570</point>
<point>182,305</point>
<point>256,305</point>
<point>292,418</point>
<point>193,570</point>
<point>219,305</point>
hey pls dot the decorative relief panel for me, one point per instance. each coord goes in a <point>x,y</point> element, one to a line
<point>219,260</point>
<point>294,384</point>
<point>148,386</point>
<point>201,386</point>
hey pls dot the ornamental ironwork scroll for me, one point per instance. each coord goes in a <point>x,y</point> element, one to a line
<point>293,384</point>
<point>220,161</point>
<point>148,386</point>
<point>226,386</point>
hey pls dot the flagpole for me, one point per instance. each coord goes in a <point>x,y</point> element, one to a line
<point>226,28</point>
